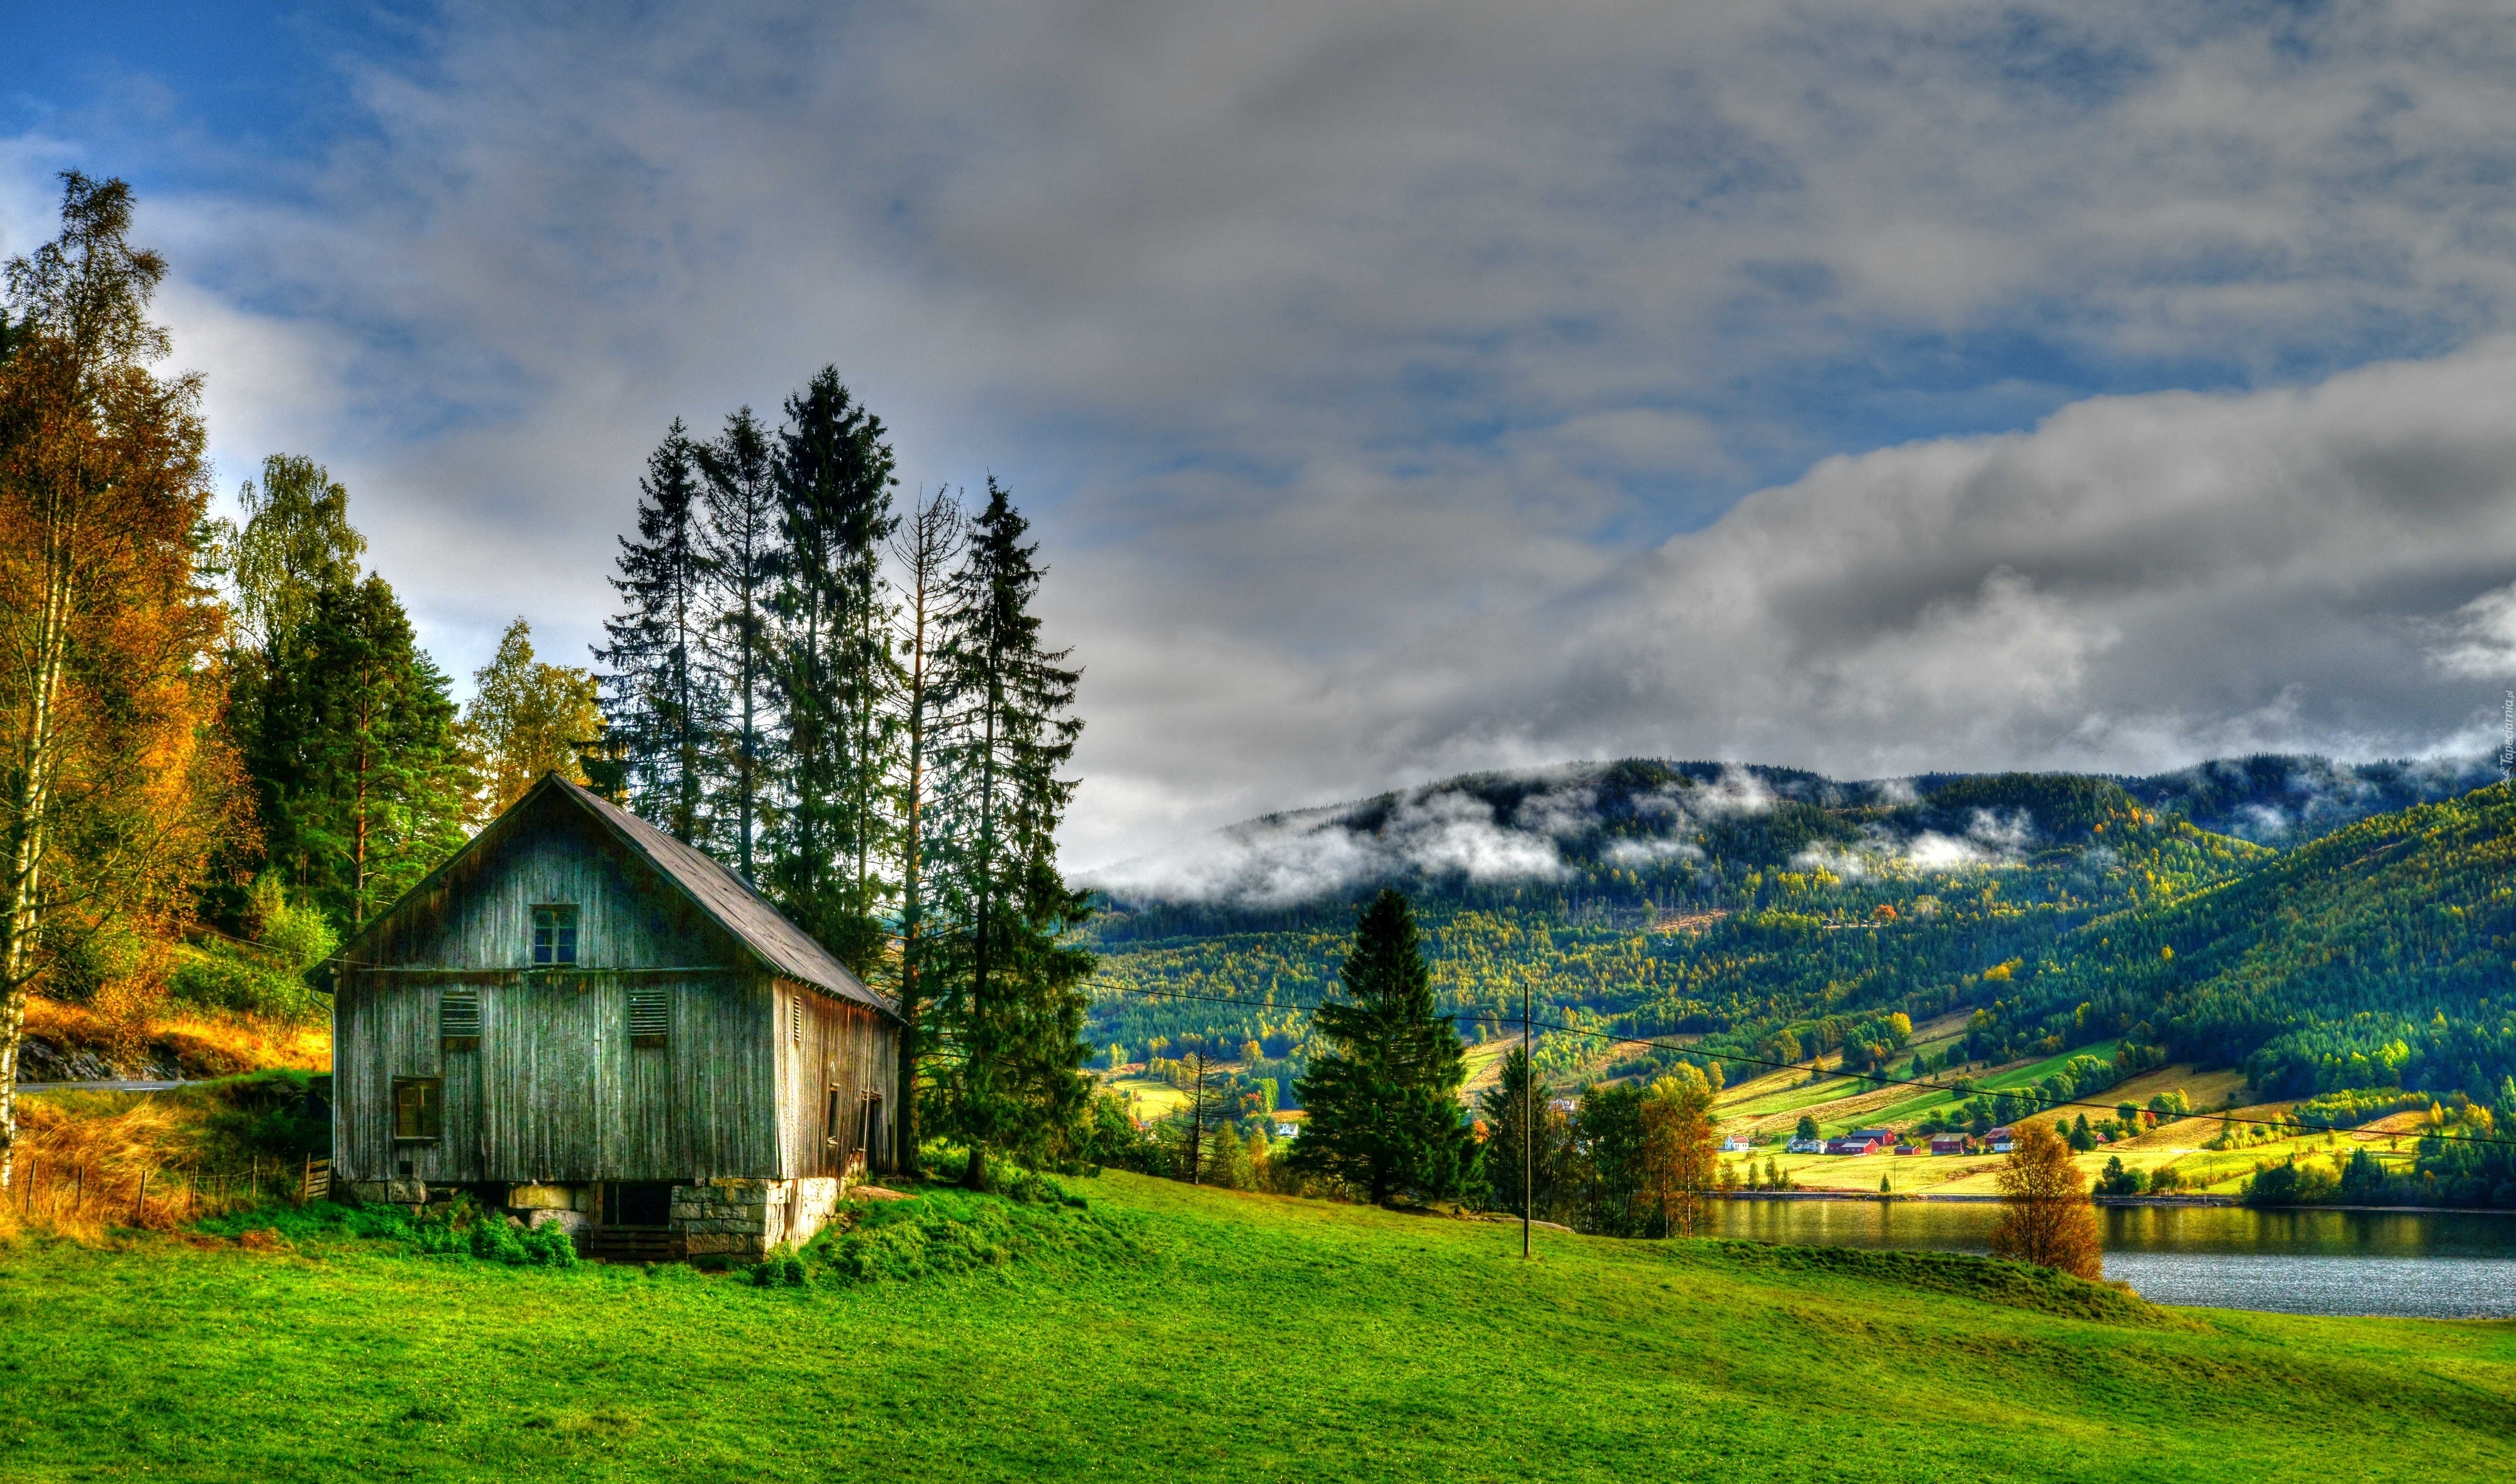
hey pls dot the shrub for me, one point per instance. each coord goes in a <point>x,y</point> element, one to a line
<point>944,1232</point>
<point>780,1268</point>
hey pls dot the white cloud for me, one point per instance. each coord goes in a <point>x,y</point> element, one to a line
<point>1384,377</point>
<point>2478,641</point>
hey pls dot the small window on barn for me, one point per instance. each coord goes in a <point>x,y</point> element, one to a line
<point>553,936</point>
<point>650,1016</point>
<point>419,1109</point>
<point>458,1020</point>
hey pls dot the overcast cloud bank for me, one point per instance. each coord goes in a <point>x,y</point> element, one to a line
<point>1403,389</point>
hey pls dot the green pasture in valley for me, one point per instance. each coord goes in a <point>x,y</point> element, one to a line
<point>1166,1333</point>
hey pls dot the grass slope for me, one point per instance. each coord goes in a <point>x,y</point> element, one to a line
<point>1227,1337</point>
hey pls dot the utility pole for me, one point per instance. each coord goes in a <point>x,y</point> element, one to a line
<point>1197,1124</point>
<point>1528,1113</point>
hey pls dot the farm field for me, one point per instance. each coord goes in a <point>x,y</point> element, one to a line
<point>1208,1335</point>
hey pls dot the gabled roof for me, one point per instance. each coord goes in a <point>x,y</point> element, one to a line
<point>726,898</point>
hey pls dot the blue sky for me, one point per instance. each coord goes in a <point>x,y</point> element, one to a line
<point>1404,388</point>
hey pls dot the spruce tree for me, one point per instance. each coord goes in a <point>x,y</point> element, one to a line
<point>1010,1016</point>
<point>742,559</point>
<point>830,664</point>
<point>1384,1119</point>
<point>662,707</point>
<point>365,782</point>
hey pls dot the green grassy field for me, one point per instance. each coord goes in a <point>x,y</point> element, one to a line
<point>1206,1335</point>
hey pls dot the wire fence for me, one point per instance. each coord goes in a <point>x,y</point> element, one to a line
<point>157,1197</point>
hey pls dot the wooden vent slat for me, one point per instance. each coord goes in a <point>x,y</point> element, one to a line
<point>650,1016</point>
<point>458,1019</point>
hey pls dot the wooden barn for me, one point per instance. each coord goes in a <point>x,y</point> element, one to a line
<point>583,1021</point>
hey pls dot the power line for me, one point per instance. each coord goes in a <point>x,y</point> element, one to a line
<point>1793,1066</point>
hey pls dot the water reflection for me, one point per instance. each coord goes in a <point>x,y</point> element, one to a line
<point>2421,1263</point>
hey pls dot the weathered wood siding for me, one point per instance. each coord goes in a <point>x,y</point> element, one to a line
<point>554,1091</point>
<point>480,917</point>
<point>827,1045</point>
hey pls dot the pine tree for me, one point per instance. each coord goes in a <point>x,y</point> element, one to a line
<point>1384,1119</point>
<point>742,563</point>
<point>926,549</point>
<point>364,785</point>
<point>1011,1011</point>
<point>830,664</point>
<point>1517,1142</point>
<point>660,704</point>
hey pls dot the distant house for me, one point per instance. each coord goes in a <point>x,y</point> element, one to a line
<point>1859,1141</point>
<point>589,1023</point>
<point>1909,1148</point>
<point>1875,1136</point>
<point>1805,1146</point>
<point>1287,1131</point>
<point>1736,1143</point>
<point>1948,1144</point>
<point>2001,1141</point>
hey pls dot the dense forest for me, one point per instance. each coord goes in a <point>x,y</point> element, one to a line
<point>1767,915</point>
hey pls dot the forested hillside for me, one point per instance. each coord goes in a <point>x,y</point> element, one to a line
<point>2383,954</point>
<point>1771,914</point>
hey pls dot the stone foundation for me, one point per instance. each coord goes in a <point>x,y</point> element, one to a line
<point>743,1218</point>
<point>574,1223</point>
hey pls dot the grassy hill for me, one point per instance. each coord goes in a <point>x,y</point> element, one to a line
<point>1191,1333</point>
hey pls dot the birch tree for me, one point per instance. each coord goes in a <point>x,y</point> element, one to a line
<point>926,549</point>
<point>114,779</point>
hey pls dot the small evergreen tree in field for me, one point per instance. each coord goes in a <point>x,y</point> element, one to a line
<point>1382,1094</point>
<point>1611,1168</point>
<point>1008,1012</point>
<point>660,705</point>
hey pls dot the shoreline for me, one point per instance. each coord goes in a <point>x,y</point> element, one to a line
<point>2162,1201</point>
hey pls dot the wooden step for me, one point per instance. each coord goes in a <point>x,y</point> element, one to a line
<point>630,1244</point>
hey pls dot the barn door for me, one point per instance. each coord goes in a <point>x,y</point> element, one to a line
<point>869,1131</point>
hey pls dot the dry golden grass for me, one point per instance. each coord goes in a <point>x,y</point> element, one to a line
<point>90,1162</point>
<point>216,1046</point>
<point>2201,1090</point>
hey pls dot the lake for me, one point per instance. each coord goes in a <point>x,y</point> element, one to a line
<point>2425,1264</point>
